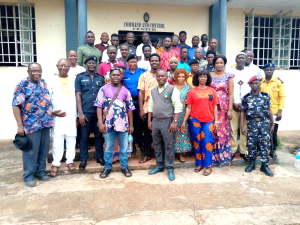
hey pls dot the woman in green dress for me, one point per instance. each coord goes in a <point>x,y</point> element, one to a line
<point>182,140</point>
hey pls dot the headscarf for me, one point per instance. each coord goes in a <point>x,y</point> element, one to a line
<point>172,59</point>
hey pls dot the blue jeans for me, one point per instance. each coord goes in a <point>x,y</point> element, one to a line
<point>34,161</point>
<point>110,138</point>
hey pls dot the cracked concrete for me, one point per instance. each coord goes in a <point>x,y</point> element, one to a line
<point>227,196</point>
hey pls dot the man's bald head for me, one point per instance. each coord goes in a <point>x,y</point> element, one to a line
<point>213,44</point>
<point>104,38</point>
<point>72,57</point>
<point>63,67</point>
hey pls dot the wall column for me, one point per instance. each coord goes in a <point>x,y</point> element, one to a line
<point>223,19</point>
<point>71,25</point>
<point>82,21</point>
<point>214,21</point>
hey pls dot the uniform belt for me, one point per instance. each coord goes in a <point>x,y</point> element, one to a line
<point>255,119</point>
<point>135,97</point>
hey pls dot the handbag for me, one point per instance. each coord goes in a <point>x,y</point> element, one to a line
<point>111,102</point>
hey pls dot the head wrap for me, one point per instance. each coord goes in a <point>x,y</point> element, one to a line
<point>172,59</point>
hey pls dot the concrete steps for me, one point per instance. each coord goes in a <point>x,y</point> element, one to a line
<point>94,167</point>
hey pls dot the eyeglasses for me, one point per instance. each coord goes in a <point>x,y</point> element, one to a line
<point>115,68</point>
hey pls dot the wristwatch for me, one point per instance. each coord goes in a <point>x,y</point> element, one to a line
<point>175,121</point>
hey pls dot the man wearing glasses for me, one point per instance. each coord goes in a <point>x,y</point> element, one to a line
<point>32,109</point>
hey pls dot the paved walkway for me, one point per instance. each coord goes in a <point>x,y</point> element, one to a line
<point>227,196</point>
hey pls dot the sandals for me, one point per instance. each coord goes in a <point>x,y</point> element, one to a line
<point>53,171</point>
<point>182,159</point>
<point>71,167</point>
<point>198,170</point>
<point>105,173</point>
<point>126,172</point>
<point>207,173</point>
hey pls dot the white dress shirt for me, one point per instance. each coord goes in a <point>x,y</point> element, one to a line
<point>105,56</point>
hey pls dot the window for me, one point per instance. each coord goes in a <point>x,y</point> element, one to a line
<point>274,39</point>
<point>17,45</point>
<point>262,39</point>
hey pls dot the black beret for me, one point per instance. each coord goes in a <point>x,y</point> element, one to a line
<point>193,61</point>
<point>154,38</point>
<point>91,57</point>
<point>131,56</point>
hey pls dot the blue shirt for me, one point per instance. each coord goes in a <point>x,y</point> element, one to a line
<point>35,105</point>
<point>192,53</point>
<point>189,47</point>
<point>89,90</point>
<point>131,80</point>
<point>184,65</point>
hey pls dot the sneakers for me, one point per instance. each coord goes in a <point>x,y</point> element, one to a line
<point>30,183</point>
<point>43,178</point>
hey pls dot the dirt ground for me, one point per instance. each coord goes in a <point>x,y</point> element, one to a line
<point>227,196</point>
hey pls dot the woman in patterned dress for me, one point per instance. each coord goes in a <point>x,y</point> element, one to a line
<point>222,82</point>
<point>182,140</point>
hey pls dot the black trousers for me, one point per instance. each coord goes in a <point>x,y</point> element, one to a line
<point>138,126</point>
<point>274,137</point>
<point>147,138</point>
<point>85,133</point>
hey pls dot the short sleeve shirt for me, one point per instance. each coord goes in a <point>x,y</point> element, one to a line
<point>104,68</point>
<point>256,106</point>
<point>116,118</point>
<point>35,104</point>
<point>89,89</point>
<point>202,101</point>
<point>131,80</point>
<point>146,83</point>
<point>165,57</point>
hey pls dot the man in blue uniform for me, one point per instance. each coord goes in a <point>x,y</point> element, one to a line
<point>87,85</point>
<point>256,106</point>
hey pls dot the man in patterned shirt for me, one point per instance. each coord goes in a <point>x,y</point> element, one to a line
<point>256,107</point>
<point>32,109</point>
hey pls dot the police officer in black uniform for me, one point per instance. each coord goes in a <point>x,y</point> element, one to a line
<point>87,85</point>
<point>256,106</point>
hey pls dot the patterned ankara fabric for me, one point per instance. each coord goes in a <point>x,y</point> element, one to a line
<point>222,143</point>
<point>116,118</point>
<point>202,138</point>
<point>183,140</point>
<point>35,104</point>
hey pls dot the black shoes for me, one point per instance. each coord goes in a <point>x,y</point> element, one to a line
<point>250,167</point>
<point>101,161</point>
<point>244,157</point>
<point>232,156</point>
<point>82,165</point>
<point>273,154</point>
<point>266,170</point>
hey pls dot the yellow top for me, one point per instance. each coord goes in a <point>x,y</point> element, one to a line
<point>189,81</point>
<point>275,89</point>
<point>159,49</point>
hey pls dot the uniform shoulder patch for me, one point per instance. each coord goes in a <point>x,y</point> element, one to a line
<point>280,80</point>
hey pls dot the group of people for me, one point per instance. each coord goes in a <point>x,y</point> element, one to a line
<point>180,98</point>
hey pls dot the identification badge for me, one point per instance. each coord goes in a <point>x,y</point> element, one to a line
<point>166,94</point>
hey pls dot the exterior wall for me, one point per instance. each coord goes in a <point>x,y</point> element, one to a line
<point>110,17</point>
<point>51,45</point>
<point>235,43</point>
